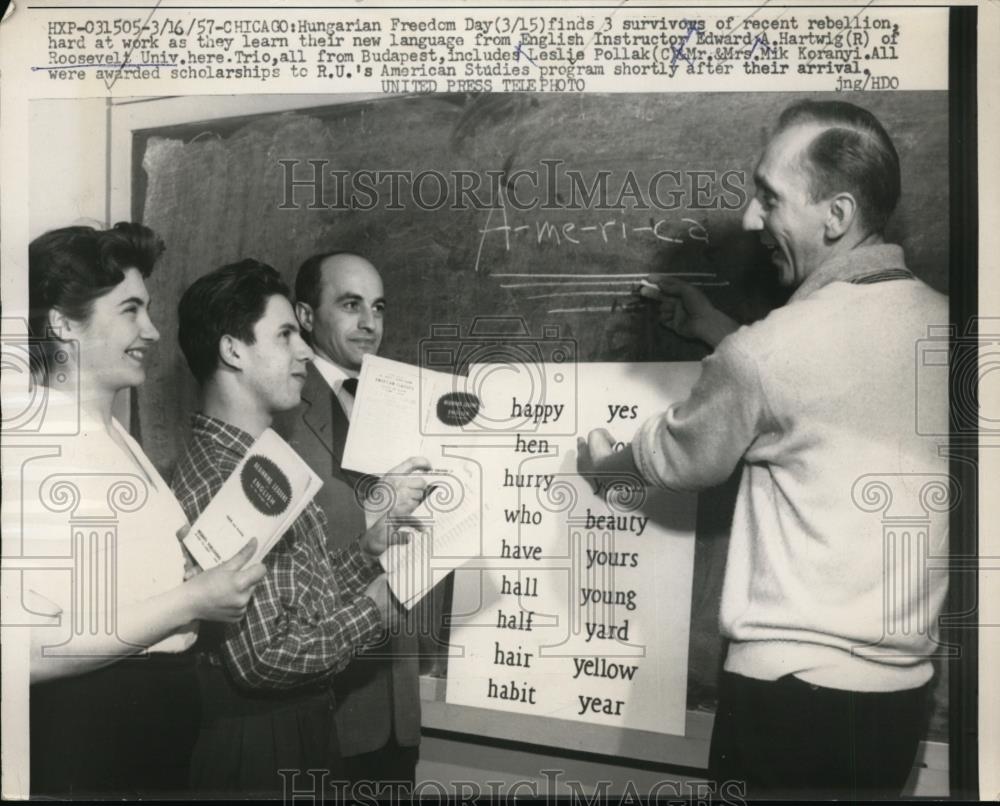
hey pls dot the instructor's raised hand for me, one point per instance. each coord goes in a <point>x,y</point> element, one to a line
<point>686,310</point>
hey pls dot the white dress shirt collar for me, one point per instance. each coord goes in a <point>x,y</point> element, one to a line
<point>335,375</point>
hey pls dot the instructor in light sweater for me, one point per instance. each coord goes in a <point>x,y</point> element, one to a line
<point>830,625</point>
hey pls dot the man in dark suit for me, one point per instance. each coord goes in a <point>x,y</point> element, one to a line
<point>340,305</point>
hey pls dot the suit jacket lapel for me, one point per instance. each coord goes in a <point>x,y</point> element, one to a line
<point>327,422</point>
<point>315,411</point>
<point>339,425</point>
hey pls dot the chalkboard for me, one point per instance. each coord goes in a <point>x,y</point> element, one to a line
<point>217,192</point>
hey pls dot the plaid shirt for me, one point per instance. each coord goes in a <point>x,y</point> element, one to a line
<point>307,617</point>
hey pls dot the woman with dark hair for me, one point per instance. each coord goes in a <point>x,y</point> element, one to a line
<point>114,695</point>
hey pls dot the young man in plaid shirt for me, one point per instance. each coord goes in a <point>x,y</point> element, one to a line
<point>267,700</point>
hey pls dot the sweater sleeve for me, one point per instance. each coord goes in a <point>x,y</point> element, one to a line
<point>697,443</point>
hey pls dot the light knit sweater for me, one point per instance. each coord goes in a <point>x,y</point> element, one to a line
<point>841,514</point>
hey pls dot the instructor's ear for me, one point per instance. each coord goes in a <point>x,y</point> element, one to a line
<point>304,313</point>
<point>840,216</point>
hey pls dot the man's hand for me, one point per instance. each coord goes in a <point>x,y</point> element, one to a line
<point>409,485</point>
<point>408,489</point>
<point>383,533</point>
<point>593,451</point>
<point>597,459</point>
<point>687,311</point>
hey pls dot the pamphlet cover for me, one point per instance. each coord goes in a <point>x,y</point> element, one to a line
<point>262,498</point>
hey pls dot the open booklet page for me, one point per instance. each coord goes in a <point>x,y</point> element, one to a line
<point>395,416</point>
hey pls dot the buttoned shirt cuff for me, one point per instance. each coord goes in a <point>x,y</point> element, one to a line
<point>360,563</point>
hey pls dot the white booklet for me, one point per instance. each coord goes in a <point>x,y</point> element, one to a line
<point>262,498</point>
<point>394,414</point>
<point>402,410</point>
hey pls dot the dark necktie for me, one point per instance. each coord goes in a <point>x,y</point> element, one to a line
<point>350,386</point>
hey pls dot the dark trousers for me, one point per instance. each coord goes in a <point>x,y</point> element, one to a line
<point>391,765</point>
<point>123,731</point>
<point>788,739</point>
<point>252,744</point>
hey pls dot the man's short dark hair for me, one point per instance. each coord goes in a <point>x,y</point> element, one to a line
<point>853,153</point>
<point>226,302</point>
<point>308,280</point>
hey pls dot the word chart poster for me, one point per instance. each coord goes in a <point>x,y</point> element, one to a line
<point>579,608</point>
